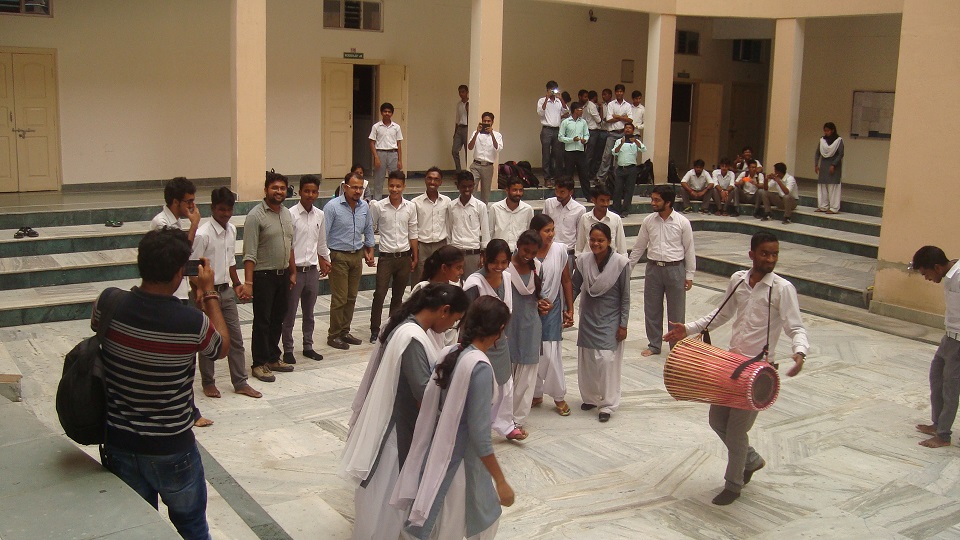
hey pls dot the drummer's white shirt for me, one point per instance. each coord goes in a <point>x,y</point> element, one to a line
<point>748,307</point>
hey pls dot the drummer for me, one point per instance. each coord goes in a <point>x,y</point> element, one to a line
<point>762,303</point>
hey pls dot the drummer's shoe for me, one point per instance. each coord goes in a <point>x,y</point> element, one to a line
<point>725,497</point>
<point>748,473</point>
<point>587,406</point>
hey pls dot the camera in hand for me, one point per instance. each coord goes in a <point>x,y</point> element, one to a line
<point>192,268</point>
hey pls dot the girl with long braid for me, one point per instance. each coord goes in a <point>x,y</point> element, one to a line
<point>452,484</point>
<point>387,403</point>
<point>444,265</point>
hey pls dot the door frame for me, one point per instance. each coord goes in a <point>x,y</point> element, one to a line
<point>352,62</point>
<point>56,87</point>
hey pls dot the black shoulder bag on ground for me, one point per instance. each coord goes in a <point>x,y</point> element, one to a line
<point>81,394</point>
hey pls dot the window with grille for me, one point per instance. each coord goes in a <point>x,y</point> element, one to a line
<point>747,50</point>
<point>353,14</point>
<point>25,7</point>
<point>688,42</point>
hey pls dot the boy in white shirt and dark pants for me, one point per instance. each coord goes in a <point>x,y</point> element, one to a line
<point>386,147</point>
<point>781,191</point>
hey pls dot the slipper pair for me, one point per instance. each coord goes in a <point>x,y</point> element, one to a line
<point>113,223</point>
<point>25,231</point>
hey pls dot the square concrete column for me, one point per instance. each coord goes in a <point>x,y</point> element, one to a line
<point>248,78</point>
<point>784,106</point>
<point>486,64</point>
<point>661,40</point>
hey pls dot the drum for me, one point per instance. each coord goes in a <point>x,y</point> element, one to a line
<point>696,371</point>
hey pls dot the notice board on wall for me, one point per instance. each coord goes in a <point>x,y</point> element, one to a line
<point>872,115</point>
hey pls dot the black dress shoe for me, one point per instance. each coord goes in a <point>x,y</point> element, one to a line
<point>338,343</point>
<point>604,417</point>
<point>289,358</point>
<point>350,339</point>
<point>725,497</point>
<point>312,354</point>
<point>587,406</point>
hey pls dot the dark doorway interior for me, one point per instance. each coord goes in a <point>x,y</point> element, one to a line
<point>681,117</point>
<point>364,113</point>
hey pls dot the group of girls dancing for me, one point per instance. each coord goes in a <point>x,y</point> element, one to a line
<point>455,363</point>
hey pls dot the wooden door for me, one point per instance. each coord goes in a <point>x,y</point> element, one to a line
<point>8,137</point>
<point>35,99</point>
<point>337,118</point>
<point>706,122</point>
<point>748,113</point>
<point>392,88</point>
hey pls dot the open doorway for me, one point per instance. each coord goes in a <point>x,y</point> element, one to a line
<point>365,112</point>
<point>748,119</point>
<point>681,123</point>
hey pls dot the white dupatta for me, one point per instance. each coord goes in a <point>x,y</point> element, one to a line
<point>526,289</point>
<point>552,271</point>
<point>373,404</point>
<point>595,282</point>
<point>433,441</point>
<point>477,279</point>
<point>828,150</point>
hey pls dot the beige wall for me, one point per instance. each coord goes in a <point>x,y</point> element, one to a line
<point>842,55</point>
<point>924,131</point>
<point>144,89</point>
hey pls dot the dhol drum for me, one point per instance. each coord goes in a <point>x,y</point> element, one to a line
<point>697,371</point>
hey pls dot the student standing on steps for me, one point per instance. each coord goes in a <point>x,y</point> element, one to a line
<point>386,145</point>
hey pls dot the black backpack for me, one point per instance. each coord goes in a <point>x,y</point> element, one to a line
<point>673,176</point>
<point>646,173</point>
<point>504,172</point>
<point>81,394</point>
<point>525,172</point>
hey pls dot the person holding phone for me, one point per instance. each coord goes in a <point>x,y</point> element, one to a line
<point>486,144</point>
<point>627,152</point>
<point>551,109</point>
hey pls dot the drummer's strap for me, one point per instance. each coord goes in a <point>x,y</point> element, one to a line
<point>766,347</point>
<point>705,334</point>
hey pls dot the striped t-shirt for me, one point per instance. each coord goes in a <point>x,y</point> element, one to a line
<point>149,364</point>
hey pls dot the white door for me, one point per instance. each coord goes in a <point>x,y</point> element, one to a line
<point>35,97</point>
<point>706,123</point>
<point>392,88</point>
<point>337,118</point>
<point>8,137</point>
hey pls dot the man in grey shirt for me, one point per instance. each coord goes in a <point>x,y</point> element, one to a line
<point>269,270</point>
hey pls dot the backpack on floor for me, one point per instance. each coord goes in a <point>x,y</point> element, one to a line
<point>505,172</point>
<point>673,176</point>
<point>81,394</point>
<point>646,173</point>
<point>525,172</point>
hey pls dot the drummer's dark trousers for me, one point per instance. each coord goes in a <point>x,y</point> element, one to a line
<point>945,386</point>
<point>732,426</point>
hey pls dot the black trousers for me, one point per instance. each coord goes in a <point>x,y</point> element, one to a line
<point>269,309</point>
<point>579,161</point>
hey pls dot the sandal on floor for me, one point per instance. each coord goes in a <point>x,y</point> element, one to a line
<point>537,401</point>
<point>30,232</point>
<point>562,408</point>
<point>21,232</point>
<point>516,435</point>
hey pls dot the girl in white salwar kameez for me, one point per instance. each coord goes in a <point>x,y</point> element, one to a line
<point>828,164</point>
<point>444,265</point>
<point>557,286</point>
<point>452,484</point>
<point>387,403</point>
<point>604,276</point>
<point>493,279</point>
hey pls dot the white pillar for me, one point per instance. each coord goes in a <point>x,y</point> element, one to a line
<point>248,78</point>
<point>784,108</point>
<point>486,63</point>
<point>661,40</point>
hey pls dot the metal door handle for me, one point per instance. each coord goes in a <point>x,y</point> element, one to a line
<point>23,132</point>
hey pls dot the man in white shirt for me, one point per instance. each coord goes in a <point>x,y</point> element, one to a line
<point>748,185</point>
<point>636,114</point>
<point>432,207</point>
<point>485,143</point>
<point>312,257</point>
<point>667,238</point>
<point>761,304</point>
<point>592,116</point>
<point>743,160</point>
<point>216,241</point>
<point>511,216</point>
<point>566,213</point>
<point>551,110</point>
<point>932,262</point>
<point>468,227</point>
<point>386,145</point>
<point>697,185</point>
<point>606,96</point>
<point>724,182</point>
<point>618,112</point>
<point>780,190</point>
<point>460,126</point>
<point>180,196</point>
<point>396,219</point>
<point>601,213</point>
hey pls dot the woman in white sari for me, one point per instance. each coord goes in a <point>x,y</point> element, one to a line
<point>604,276</point>
<point>387,403</point>
<point>452,484</point>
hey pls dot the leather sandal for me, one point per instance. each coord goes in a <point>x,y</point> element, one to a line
<point>562,408</point>
<point>516,435</point>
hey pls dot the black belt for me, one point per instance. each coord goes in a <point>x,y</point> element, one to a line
<point>277,272</point>
<point>666,263</point>
<point>346,252</point>
<point>626,166</point>
<point>397,255</point>
<point>481,162</point>
<point>306,268</point>
<point>461,125</point>
<point>472,251</point>
<point>618,132</point>
<point>221,287</point>
<point>390,150</point>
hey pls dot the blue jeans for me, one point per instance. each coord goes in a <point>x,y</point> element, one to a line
<point>176,478</point>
